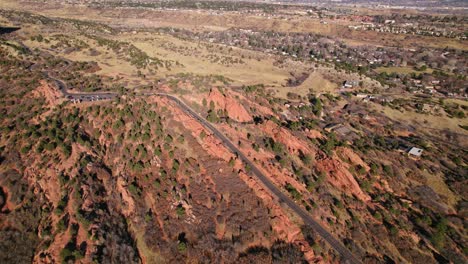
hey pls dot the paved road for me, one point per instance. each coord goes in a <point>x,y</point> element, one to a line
<point>81,97</point>
<point>346,255</point>
<point>77,97</point>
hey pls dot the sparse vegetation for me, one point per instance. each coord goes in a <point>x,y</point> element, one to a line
<point>368,139</point>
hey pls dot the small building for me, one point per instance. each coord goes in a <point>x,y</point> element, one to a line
<point>350,84</point>
<point>415,151</point>
<point>331,127</point>
<point>383,99</point>
<point>343,130</point>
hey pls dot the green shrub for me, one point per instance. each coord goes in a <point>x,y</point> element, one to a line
<point>378,216</point>
<point>388,170</point>
<point>182,247</point>
<point>180,210</point>
<point>25,149</point>
<point>61,225</point>
<point>61,205</point>
<point>134,189</point>
<point>438,237</point>
<point>295,194</point>
<point>82,219</point>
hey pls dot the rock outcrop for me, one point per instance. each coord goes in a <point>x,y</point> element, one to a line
<point>339,176</point>
<point>227,103</point>
<point>50,93</point>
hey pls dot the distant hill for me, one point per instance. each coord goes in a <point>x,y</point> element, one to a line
<point>415,3</point>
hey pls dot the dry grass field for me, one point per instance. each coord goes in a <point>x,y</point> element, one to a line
<point>437,184</point>
<point>243,67</point>
<point>111,65</point>
<point>441,123</point>
<point>315,83</point>
<point>206,58</point>
<point>401,70</point>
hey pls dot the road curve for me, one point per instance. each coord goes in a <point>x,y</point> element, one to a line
<point>62,86</point>
<point>346,255</point>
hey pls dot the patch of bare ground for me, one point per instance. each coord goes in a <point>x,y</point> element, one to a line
<point>313,134</point>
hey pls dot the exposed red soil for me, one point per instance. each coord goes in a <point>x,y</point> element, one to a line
<point>55,247</point>
<point>51,187</point>
<point>348,154</point>
<point>209,142</point>
<point>128,206</point>
<point>382,184</point>
<point>51,94</point>
<point>284,136</point>
<point>152,203</point>
<point>165,88</point>
<point>262,110</point>
<point>339,176</point>
<point>312,134</point>
<point>227,102</point>
<point>82,236</point>
<point>69,163</point>
<point>282,225</point>
<point>403,133</point>
<point>279,176</point>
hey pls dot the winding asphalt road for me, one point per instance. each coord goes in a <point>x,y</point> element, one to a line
<point>93,96</point>
<point>97,96</point>
<point>346,255</point>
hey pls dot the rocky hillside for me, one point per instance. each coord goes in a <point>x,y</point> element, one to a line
<point>137,180</point>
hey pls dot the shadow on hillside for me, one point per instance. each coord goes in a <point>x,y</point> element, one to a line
<point>6,30</point>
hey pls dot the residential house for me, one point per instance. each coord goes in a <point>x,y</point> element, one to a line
<point>350,84</point>
<point>417,152</point>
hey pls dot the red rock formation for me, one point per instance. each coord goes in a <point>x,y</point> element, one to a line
<point>285,137</point>
<point>227,103</point>
<point>259,108</point>
<point>340,177</point>
<point>128,206</point>
<point>210,143</point>
<point>349,155</point>
<point>282,225</point>
<point>51,94</point>
<point>314,134</point>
